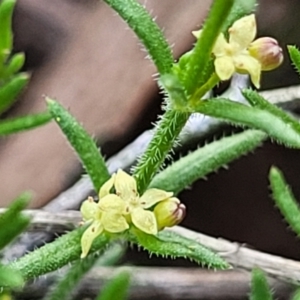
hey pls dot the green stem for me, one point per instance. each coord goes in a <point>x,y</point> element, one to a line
<point>203,48</point>
<point>200,92</point>
<point>164,137</point>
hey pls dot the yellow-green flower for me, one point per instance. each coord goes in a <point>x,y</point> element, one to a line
<point>234,56</point>
<point>137,207</point>
<point>106,215</point>
<point>120,206</point>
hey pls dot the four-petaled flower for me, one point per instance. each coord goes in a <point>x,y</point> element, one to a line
<point>234,55</point>
<point>115,212</point>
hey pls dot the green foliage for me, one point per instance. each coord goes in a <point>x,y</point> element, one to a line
<point>169,244</point>
<point>62,251</point>
<point>206,160</point>
<point>285,199</point>
<point>264,119</point>
<point>12,221</point>
<point>116,288</point>
<point>10,126</point>
<point>64,287</point>
<point>296,295</point>
<point>6,11</point>
<point>83,144</point>
<point>148,32</point>
<point>11,89</point>
<point>10,278</point>
<point>259,286</point>
<point>295,56</point>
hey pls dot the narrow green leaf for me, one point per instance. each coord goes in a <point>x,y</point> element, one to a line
<point>200,56</point>
<point>64,287</point>
<point>170,244</point>
<point>140,21</point>
<point>15,125</point>
<point>206,160</point>
<point>82,143</point>
<point>116,288</point>
<point>55,255</point>
<point>6,11</point>
<point>15,63</point>
<point>12,222</point>
<point>240,114</point>
<point>260,289</point>
<point>256,100</point>
<point>295,56</point>
<point>11,89</point>
<point>10,278</point>
<point>285,199</point>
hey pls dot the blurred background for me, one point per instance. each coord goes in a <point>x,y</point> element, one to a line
<point>82,54</point>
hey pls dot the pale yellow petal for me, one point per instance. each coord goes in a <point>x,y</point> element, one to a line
<point>243,32</point>
<point>153,196</point>
<point>89,209</point>
<point>114,222</point>
<point>106,187</point>
<point>94,230</point>
<point>220,45</point>
<point>125,186</point>
<point>144,220</point>
<point>112,202</point>
<point>247,64</point>
<point>224,67</point>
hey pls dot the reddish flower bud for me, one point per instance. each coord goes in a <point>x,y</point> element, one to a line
<point>267,51</point>
<point>169,212</point>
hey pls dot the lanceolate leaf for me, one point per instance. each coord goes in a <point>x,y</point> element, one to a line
<point>205,160</point>
<point>285,199</point>
<point>12,222</point>
<point>15,125</point>
<point>11,89</point>
<point>169,244</point>
<point>239,114</point>
<point>83,144</point>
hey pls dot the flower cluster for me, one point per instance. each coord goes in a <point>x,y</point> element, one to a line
<point>118,211</point>
<point>243,54</point>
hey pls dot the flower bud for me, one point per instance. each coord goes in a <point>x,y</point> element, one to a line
<point>169,212</point>
<point>267,51</point>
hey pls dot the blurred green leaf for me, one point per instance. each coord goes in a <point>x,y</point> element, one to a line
<point>10,278</point>
<point>116,288</point>
<point>6,11</point>
<point>64,287</point>
<point>11,89</point>
<point>14,65</point>
<point>10,126</point>
<point>260,289</point>
<point>12,222</point>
